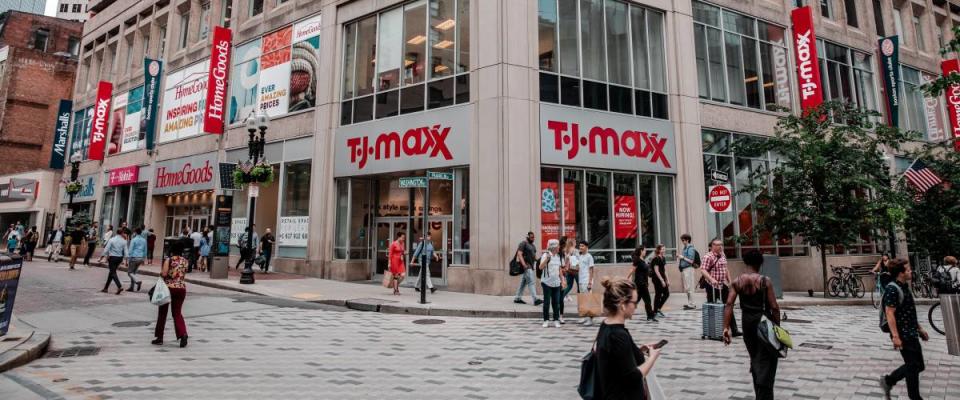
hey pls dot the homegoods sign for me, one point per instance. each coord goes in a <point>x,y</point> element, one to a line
<point>185,174</point>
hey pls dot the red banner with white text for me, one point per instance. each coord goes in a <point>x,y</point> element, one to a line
<point>808,67</point>
<point>216,106</point>
<point>100,121</point>
<point>953,101</point>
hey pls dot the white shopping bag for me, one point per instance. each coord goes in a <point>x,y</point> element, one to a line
<point>161,294</point>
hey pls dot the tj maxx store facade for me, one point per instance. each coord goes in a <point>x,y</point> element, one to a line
<point>597,119</point>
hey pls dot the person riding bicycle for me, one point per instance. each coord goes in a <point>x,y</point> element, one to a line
<point>880,270</point>
<point>950,269</point>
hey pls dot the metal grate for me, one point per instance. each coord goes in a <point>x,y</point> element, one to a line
<point>131,324</point>
<point>79,351</point>
<point>429,321</point>
<point>816,346</point>
<point>797,321</point>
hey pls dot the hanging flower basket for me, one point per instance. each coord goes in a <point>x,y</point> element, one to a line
<point>73,187</point>
<point>247,173</point>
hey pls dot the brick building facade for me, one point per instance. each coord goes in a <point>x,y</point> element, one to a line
<point>38,65</point>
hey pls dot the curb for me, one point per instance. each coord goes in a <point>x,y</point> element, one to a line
<point>28,350</point>
<point>188,279</point>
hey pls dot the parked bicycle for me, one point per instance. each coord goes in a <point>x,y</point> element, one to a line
<point>843,280</point>
<point>922,284</point>
<point>935,316</point>
<point>876,296</point>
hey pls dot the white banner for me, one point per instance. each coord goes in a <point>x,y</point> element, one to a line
<point>293,231</point>
<point>237,227</point>
<point>184,95</point>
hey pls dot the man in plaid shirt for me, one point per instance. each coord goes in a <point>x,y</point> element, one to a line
<point>717,276</point>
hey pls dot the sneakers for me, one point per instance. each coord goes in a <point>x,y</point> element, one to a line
<point>689,307</point>
<point>661,315</point>
<point>546,324</point>
<point>519,301</point>
<point>587,321</point>
<point>652,320</point>
<point>556,324</point>
<point>562,321</point>
<point>433,290</point>
<point>538,302</point>
<point>885,387</point>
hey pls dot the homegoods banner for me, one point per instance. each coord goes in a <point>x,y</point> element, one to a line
<point>186,174</point>
<point>184,97</point>
<point>953,101</point>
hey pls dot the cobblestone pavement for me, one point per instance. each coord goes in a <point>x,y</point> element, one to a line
<point>294,353</point>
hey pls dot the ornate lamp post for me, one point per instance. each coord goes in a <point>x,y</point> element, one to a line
<point>255,146</point>
<point>71,186</point>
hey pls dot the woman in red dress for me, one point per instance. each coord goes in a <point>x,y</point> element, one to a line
<point>397,269</point>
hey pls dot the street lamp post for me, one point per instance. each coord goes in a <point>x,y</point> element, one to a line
<point>255,146</point>
<point>74,174</point>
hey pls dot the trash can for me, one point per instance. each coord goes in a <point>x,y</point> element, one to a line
<point>219,266</point>
<point>950,307</point>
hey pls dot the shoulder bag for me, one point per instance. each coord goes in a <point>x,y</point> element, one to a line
<point>588,373</point>
<point>767,331</point>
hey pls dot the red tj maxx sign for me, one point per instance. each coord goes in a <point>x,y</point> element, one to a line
<point>808,68</point>
<point>576,137</point>
<point>427,140</point>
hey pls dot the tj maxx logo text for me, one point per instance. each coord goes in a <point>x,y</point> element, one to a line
<point>427,140</point>
<point>607,140</point>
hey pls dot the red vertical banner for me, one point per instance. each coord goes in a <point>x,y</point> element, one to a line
<point>953,101</point>
<point>808,67</point>
<point>101,119</point>
<point>625,217</point>
<point>217,79</point>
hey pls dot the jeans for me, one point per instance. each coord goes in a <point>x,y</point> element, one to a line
<point>417,283</point>
<point>643,292</point>
<point>763,363</point>
<point>194,257</point>
<point>133,265</point>
<point>570,280</point>
<point>177,295</point>
<point>661,293</point>
<point>688,283</point>
<point>91,247</point>
<point>724,292</point>
<point>551,297</point>
<point>912,366</point>
<point>269,252</point>
<point>113,262</point>
<point>528,279</point>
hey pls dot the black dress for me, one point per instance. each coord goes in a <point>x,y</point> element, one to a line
<point>618,359</point>
<point>763,359</point>
<point>641,279</point>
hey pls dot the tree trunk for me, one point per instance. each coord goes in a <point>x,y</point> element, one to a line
<point>823,268</point>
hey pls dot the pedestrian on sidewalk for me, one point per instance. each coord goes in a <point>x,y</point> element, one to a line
<point>526,255</point>
<point>757,298</point>
<point>716,278</point>
<point>93,234</point>
<point>688,269</point>
<point>266,250</point>
<point>196,237</point>
<point>137,253</point>
<point>106,238</point>
<point>572,273</point>
<point>424,254</point>
<point>397,267</point>
<point>205,250</point>
<point>116,251</point>
<point>151,245</point>
<point>622,366</point>
<point>55,244</point>
<point>905,330</point>
<point>551,282</point>
<point>586,274</point>
<point>641,276</point>
<point>76,243</point>
<point>661,284</point>
<point>173,271</point>
<point>247,254</point>
<point>880,270</point>
<point>13,241</point>
<point>30,243</point>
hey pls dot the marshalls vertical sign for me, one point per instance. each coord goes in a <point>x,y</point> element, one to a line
<point>217,80</point>
<point>62,127</point>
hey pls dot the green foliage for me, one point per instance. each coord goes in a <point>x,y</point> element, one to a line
<point>80,219</point>
<point>261,173</point>
<point>73,187</point>
<point>934,226</point>
<point>937,86</point>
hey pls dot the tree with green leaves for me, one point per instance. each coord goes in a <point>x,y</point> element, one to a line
<point>933,225</point>
<point>831,181</point>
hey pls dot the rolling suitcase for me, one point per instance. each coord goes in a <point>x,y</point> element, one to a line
<point>712,316</point>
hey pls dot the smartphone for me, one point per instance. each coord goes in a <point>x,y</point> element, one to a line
<point>660,344</point>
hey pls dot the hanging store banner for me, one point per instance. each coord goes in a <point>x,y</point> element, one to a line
<point>808,67</point>
<point>593,139</point>
<point>217,79</point>
<point>953,101</point>
<point>275,72</point>
<point>434,139</point>
<point>625,217</point>
<point>119,118</point>
<point>100,122</point>
<point>293,231</point>
<point>184,97</point>
<point>890,63</point>
<point>59,151</point>
<point>933,112</point>
<point>186,174</point>
<point>153,70</point>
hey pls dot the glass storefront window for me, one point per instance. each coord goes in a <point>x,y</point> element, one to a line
<point>847,75</point>
<point>598,212</point>
<point>360,219</point>
<point>912,114</point>
<point>139,205</point>
<point>625,214</point>
<point>294,202</point>
<point>340,236</point>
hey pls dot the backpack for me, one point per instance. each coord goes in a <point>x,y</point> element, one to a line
<point>884,325</point>
<point>696,258</point>
<point>942,278</point>
<point>546,265</point>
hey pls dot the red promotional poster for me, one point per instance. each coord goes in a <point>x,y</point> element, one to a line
<point>550,211</point>
<point>100,121</point>
<point>217,80</point>
<point>808,68</point>
<point>625,217</point>
<point>953,101</point>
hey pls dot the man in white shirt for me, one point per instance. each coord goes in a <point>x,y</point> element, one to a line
<point>586,273</point>
<point>195,251</point>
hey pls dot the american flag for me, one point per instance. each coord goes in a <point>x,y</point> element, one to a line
<point>922,177</point>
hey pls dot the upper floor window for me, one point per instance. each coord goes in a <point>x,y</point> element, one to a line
<point>76,8</point>
<point>898,22</point>
<point>826,8</point>
<point>73,46</point>
<point>64,7</point>
<point>40,38</point>
<point>406,59</point>
<point>204,20</point>
<point>847,75</point>
<point>604,55</point>
<point>256,7</point>
<point>163,41</point>
<point>878,18</point>
<point>184,28</point>
<point>850,7</point>
<point>918,32</point>
<point>740,60</point>
<point>227,12</point>
<point>912,113</point>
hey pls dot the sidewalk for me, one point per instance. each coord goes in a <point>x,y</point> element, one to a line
<point>370,296</point>
<point>21,345</point>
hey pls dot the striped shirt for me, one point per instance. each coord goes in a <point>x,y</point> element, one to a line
<point>716,266</point>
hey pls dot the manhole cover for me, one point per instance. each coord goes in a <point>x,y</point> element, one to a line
<point>131,324</point>
<point>79,351</point>
<point>791,308</point>
<point>816,346</point>
<point>798,321</point>
<point>58,380</point>
<point>429,321</point>
<point>474,362</point>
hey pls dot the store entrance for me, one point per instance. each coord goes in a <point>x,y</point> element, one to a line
<point>387,230</point>
<point>441,234</point>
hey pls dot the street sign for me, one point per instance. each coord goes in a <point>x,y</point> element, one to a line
<point>254,190</point>
<point>413,182</point>
<point>440,175</point>
<point>720,199</point>
<point>719,176</point>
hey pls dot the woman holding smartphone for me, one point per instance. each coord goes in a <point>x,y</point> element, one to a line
<point>622,366</point>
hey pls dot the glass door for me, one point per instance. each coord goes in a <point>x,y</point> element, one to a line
<point>386,232</point>
<point>441,234</point>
